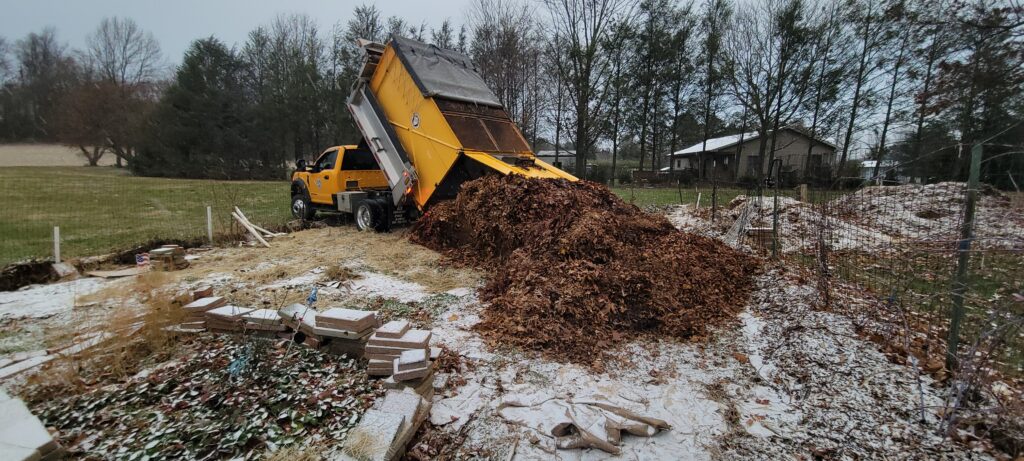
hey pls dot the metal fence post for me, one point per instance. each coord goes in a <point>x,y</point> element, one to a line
<point>777,164</point>
<point>963,259</point>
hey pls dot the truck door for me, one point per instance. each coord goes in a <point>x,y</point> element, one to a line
<point>323,181</point>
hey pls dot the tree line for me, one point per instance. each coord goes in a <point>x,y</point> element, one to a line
<point>909,81</point>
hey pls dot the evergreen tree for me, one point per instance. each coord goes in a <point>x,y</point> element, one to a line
<point>201,127</point>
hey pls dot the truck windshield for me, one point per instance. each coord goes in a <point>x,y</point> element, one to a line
<point>358,159</point>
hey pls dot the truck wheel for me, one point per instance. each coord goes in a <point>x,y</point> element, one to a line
<point>302,208</point>
<point>368,216</point>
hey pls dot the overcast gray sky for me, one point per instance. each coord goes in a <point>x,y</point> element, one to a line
<point>175,23</point>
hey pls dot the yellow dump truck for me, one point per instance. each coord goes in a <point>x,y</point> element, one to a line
<point>430,123</point>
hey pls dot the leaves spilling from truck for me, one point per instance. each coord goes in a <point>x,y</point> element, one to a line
<point>575,269</point>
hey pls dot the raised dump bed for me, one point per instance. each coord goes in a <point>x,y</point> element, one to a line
<point>432,123</point>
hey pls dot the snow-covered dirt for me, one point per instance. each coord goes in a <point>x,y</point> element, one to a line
<point>783,381</point>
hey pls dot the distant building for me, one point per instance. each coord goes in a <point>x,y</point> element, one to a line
<point>729,158</point>
<point>889,172</point>
<point>567,158</point>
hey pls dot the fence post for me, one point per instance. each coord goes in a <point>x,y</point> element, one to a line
<point>56,244</point>
<point>775,208</point>
<point>963,259</point>
<point>209,223</point>
<point>714,196</point>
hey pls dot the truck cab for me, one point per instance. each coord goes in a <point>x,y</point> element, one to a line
<point>337,171</point>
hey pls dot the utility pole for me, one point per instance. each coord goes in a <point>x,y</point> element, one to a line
<point>963,259</point>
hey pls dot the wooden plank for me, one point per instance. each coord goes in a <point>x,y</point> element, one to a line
<point>250,229</point>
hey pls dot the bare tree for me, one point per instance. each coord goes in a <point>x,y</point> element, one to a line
<point>5,63</point>
<point>505,46</point>
<point>444,36</point>
<point>769,63</point>
<point>44,73</point>
<point>827,56</point>
<point>121,52</point>
<point>717,14</point>
<point>865,15</point>
<point>584,25</point>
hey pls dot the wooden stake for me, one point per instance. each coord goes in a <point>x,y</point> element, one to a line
<point>56,244</point>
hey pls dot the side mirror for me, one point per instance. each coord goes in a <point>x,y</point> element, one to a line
<point>300,164</point>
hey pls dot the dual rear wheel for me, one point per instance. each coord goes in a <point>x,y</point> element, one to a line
<point>371,215</point>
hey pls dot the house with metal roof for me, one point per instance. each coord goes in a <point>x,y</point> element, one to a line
<point>729,158</point>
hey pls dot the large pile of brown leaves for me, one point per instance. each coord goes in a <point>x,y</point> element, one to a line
<point>576,270</point>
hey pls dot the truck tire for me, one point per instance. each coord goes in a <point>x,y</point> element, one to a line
<point>302,207</point>
<point>370,216</point>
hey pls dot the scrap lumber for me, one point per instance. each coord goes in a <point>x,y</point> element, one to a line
<point>257,227</point>
<point>249,228</point>
<point>117,273</point>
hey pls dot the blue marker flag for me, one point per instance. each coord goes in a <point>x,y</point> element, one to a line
<point>312,298</point>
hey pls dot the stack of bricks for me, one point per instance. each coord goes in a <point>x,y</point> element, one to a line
<point>423,385</point>
<point>168,258</point>
<point>262,322</point>
<point>226,319</point>
<point>338,330</point>
<point>196,310</point>
<point>403,354</point>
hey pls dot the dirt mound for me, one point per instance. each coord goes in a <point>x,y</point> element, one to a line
<point>575,269</point>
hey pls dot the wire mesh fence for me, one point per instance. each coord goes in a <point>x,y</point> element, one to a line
<point>902,246</point>
<point>100,210</point>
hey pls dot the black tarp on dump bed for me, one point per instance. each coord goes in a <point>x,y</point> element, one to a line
<point>443,73</point>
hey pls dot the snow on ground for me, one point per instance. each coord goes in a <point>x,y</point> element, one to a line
<point>872,218</point>
<point>678,397</point>
<point>934,212</point>
<point>785,381</point>
<point>371,284</point>
<point>38,301</point>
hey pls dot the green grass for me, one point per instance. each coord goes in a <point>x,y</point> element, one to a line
<point>662,196</point>
<point>102,209</point>
<point>686,195</point>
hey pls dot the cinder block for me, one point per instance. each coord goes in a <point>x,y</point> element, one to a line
<point>393,329</point>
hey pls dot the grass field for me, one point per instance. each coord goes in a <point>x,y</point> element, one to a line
<point>662,196</point>
<point>103,209</point>
<point>45,155</point>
